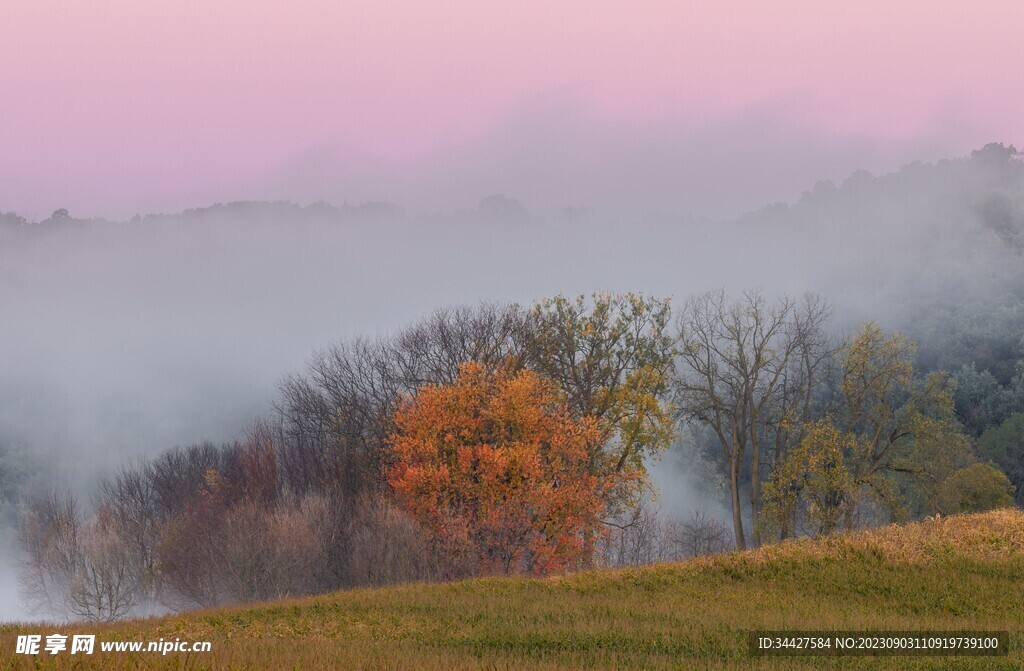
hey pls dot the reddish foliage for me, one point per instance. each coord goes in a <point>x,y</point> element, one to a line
<point>498,469</point>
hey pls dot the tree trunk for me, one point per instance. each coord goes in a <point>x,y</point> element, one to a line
<point>737,510</point>
<point>755,493</point>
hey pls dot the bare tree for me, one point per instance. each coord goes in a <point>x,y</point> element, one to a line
<point>49,535</point>
<point>432,350</point>
<point>129,498</point>
<point>741,370</point>
<point>179,476</point>
<point>702,535</point>
<point>73,568</point>
<point>104,584</point>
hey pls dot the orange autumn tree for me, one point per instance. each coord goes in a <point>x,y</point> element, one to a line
<point>495,465</point>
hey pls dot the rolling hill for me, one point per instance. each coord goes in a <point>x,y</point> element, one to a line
<point>954,573</point>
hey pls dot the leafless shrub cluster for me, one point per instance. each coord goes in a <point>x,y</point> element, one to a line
<point>648,536</point>
<point>387,546</point>
<point>218,543</point>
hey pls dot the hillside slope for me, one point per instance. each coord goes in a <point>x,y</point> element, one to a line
<point>956,573</point>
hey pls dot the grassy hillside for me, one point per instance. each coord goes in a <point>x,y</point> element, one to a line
<point>964,572</point>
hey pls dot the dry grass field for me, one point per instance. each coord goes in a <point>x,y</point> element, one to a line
<point>955,573</point>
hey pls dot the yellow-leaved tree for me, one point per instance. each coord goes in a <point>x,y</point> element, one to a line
<point>612,356</point>
<point>893,448</point>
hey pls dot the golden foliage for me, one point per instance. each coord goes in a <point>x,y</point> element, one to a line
<point>498,469</point>
<point>815,473</point>
<point>612,356</point>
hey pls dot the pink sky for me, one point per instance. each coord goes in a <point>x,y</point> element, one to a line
<point>119,99</point>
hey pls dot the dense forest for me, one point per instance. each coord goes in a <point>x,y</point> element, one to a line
<point>851,359</point>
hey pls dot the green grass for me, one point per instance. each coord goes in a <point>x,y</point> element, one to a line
<point>948,574</point>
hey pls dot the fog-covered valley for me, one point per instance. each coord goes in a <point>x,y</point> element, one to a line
<point>120,340</point>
